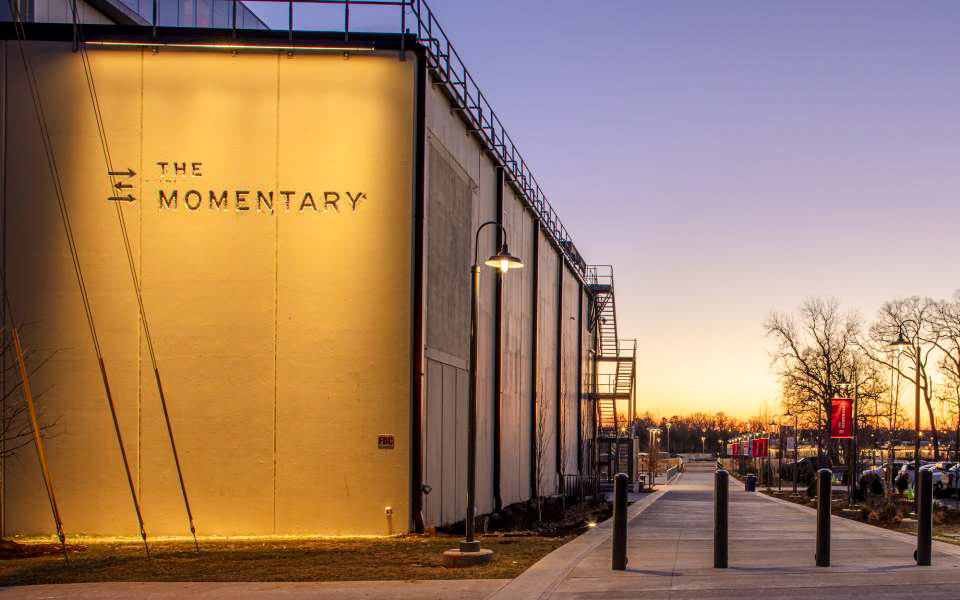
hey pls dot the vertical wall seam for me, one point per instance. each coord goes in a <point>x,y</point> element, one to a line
<point>534,356</point>
<point>417,375</point>
<point>579,378</point>
<point>560,407</point>
<point>497,396</point>
<point>276,295</point>
<point>3,265</point>
<point>140,284</point>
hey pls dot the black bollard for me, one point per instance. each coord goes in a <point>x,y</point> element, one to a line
<point>925,518</point>
<point>824,496</point>
<point>721,503</point>
<point>620,522</point>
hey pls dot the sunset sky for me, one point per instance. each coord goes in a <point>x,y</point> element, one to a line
<point>731,158</point>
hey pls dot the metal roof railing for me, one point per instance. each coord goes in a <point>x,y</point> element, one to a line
<point>448,67</point>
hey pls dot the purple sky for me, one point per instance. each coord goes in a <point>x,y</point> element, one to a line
<point>729,158</point>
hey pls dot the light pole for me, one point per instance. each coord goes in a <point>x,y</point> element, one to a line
<point>668,426</point>
<point>470,552</point>
<point>703,440</point>
<point>654,451</point>
<point>902,342</point>
<point>844,384</point>
<point>796,443</point>
<point>779,454</point>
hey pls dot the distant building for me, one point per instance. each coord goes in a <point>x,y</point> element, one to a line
<point>301,224</point>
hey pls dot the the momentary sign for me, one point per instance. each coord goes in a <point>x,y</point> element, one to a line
<point>385,442</point>
<point>179,185</point>
<point>122,193</point>
<point>841,418</point>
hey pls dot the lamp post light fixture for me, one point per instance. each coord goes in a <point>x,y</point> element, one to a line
<point>668,425</point>
<point>470,552</point>
<point>703,440</point>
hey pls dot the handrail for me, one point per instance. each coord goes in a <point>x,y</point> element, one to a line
<point>448,67</point>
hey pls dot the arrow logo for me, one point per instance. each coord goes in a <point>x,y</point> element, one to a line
<point>127,198</point>
<point>128,173</point>
<point>121,185</point>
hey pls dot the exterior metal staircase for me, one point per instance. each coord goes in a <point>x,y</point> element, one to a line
<point>619,385</point>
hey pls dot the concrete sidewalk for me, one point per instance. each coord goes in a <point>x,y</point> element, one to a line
<point>771,556</point>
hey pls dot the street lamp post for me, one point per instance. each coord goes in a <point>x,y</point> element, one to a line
<point>470,551</point>
<point>703,441</point>
<point>669,425</point>
<point>796,443</point>
<point>779,455</point>
<point>845,385</point>
<point>901,342</point>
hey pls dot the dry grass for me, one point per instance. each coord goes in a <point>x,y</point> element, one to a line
<point>946,523</point>
<point>315,559</point>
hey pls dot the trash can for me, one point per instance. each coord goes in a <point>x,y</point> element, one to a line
<point>750,483</point>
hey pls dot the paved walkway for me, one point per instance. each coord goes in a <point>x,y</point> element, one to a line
<point>771,555</point>
<point>670,539</point>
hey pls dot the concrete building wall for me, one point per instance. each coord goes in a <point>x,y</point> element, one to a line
<point>282,335</point>
<point>455,157</point>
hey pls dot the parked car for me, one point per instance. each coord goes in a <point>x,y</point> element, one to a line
<point>907,472</point>
<point>953,479</point>
<point>807,468</point>
<point>883,470</point>
<point>941,474</point>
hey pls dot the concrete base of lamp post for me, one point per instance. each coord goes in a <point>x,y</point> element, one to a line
<point>459,558</point>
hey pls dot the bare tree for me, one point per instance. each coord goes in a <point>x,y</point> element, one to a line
<point>912,318</point>
<point>16,431</point>
<point>945,324</point>
<point>540,454</point>
<point>814,344</point>
<point>562,439</point>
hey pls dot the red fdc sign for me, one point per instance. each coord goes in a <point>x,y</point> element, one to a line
<point>841,418</point>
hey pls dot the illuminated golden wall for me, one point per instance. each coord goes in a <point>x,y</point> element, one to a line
<point>276,284</point>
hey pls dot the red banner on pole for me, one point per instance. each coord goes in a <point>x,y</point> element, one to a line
<point>736,449</point>
<point>841,418</point>
<point>760,447</point>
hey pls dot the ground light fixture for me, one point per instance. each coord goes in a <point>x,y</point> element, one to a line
<point>470,553</point>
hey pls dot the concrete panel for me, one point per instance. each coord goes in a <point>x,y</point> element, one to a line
<point>82,451</point>
<point>217,349</point>
<point>433,450</point>
<point>571,292</point>
<point>453,460</point>
<point>547,354</point>
<point>448,247</point>
<point>517,290</point>
<point>343,294</point>
<point>587,422</point>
